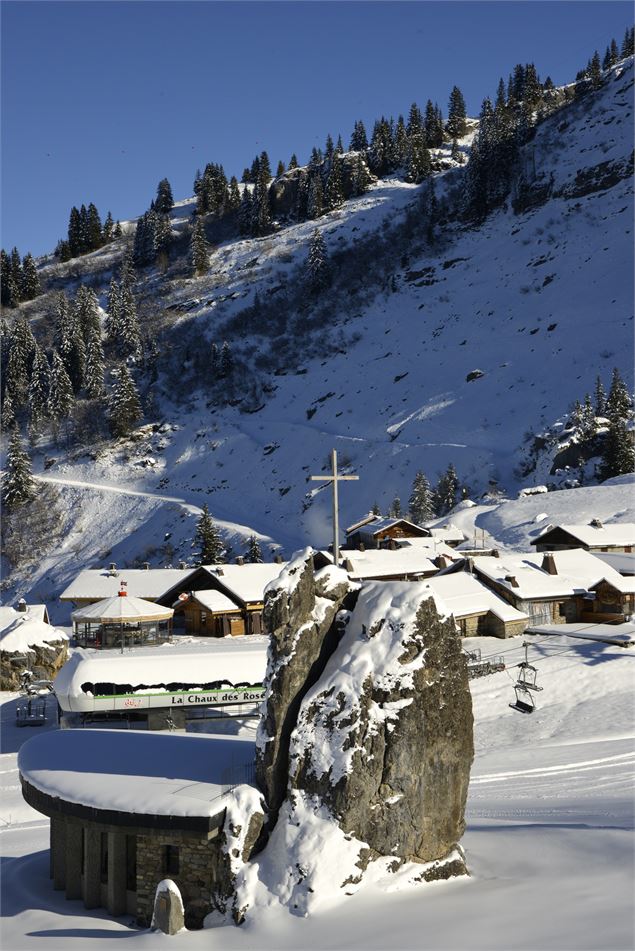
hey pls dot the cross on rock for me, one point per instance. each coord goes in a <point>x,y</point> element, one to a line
<point>335,477</point>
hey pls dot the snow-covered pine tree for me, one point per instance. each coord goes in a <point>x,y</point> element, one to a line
<point>361,177</point>
<point>418,162</point>
<point>113,315</point>
<point>280,170</point>
<point>123,409</point>
<point>39,385</point>
<point>233,201</point>
<point>246,211</point>
<point>117,230</point>
<point>359,139</point>
<point>127,272</point>
<point>7,417</point>
<point>619,404</point>
<point>334,196</point>
<point>225,361</point>
<point>108,228</point>
<point>329,148</point>
<point>415,121</point>
<point>401,143</point>
<point>164,201</point>
<point>618,456</point>
<point>129,338</point>
<point>94,373</point>
<point>69,341</point>
<point>16,378</point>
<point>199,251</point>
<point>293,161</point>
<point>456,125</point>
<point>61,397</point>
<point>30,280</point>
<point>446,491</point>
<point>207,540</point>
<point>600,397</point>
<point>254,552</point>
<point>262,210</point>
<point>86,307</point>
<point>94,231</point>
<point>18,485</point>
<point>318,270</point>
<point>339,146</point>
<point>587,422</point>
<point>395,508</point>
<point>376,509</point>
<point>595,71</point>
<point>421,502</point>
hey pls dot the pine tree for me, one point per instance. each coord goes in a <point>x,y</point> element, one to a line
<point>225,361</point>
<point>395,508</point>
<point>233,201</point>
<point>628,44</point>
<point>208,541</point>
<point>117,232</point>
<point>455,152</point>
<point>246,211</point>
<point>334,196</point>
<point>339,146</point>
<point>123,409</point>
<point>94,373</point>
<point>199,251</point>
<point>317,263</point>
<point>262,212</point>
<point>127,273</point>
<point>74,233</point>
<point>129,338</point>
<point>446,491</point>
<point>600,398</point>
<point>359,140</point>
<point>421,502</point>
<point>619,404</point>
<point>61,398</point>
<point>254,552</point>
<point>419,165</point>
<point>7,417</point>
<point>587,423</point>
<point>108,228</point>
<point>456,125</point>
<point>329,148</point>
<point>401,143</point>
<point>415,121</point>
<point>39,386</point>
<point>595,71</point>
<point>94,232</point>
<point>618,456</point>
<point>113,316</point>
<point>361,179</point>
<point>16,378</point>
<point>30,280</point>
<point>376,509</point>
<point>86,308</point>
<point>315,200</point>
<point>164,202</point>
<point>293,162</point>
<point>69,341</point>
<point>18,487</point>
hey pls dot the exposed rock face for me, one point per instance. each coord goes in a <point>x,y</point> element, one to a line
<point>299,613</point>
<point>44,660</point>
<point>385,738</point>
<point>283,191</point>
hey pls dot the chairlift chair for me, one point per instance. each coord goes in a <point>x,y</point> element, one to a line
<point>528,674</point>
<point>524,699</point>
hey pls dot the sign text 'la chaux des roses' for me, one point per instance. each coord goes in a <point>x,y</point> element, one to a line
<point>250,694</point>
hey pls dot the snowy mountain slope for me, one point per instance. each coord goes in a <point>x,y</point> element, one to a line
<point>540,302</point>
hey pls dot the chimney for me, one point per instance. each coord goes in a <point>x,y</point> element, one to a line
<point>596,523</point>
<point>495,553</point>
<point>392,544</point>
<point>112,568</point>
<point>21,606</point>
<point>182,565</point>
<point>146,566</point>
<point>122,591</point>
<point>361,547</point>
<point>240,560</point>
<point>512,580</point>
<point>348,565</point>
<point>278,559</point>
<point>549,564</point>
<point>442,562</point>
<point>219,571</point>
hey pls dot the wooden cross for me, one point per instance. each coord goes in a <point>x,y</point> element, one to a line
<point>335,477</point>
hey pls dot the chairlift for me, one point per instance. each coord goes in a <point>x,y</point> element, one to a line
<point>528,674</point>
<point>524,699</point>
<point>31,712</point>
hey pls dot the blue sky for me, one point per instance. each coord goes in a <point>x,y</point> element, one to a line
<point>100,100</point>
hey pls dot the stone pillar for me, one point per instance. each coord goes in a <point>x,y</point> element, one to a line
<point>73,847</point>
<point>92,867</point>
<point>58,837</point>
<point>116,901</point>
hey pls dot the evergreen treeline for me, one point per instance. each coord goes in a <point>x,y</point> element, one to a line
<point>426,501</point>
<point>19,279</point>
<point>609,416</point>
<point>86,232</point>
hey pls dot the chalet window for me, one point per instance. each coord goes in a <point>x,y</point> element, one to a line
<point>171,859</point>
<point>203,617</point>
<point>562,610</point>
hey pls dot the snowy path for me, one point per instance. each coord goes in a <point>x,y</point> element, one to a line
<point>120,490</point>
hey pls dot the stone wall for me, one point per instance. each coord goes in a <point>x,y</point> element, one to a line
<point>43,660</point>
<point>198,869</point>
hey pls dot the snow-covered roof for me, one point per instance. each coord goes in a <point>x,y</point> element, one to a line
<point>615,533</point>
<point>380,523</point>
<point>20,630</point>
<point>531,581</point>
<point>383,562</point>
<point>247,582</point>
<point>371,517</point>
<point>581,567</point>
<point>624,562</point>
<point>463,594</point>
<point>432,545</point>
<point>447,533</point>
<point>122,608</point>
<point>235,660</point>
<point>215,601</point>
<point>123,771</point>
<point>98,583</point>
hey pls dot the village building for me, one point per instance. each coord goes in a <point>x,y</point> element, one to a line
<point>477,610</point>
<point>96,584</point>
<point>401,564</point>
<point>128,809</point>
<point>29,645</point>
<point>121,622</point>
<point>594,536</point>
<point>222,600</point>
<point>449,534</point>
<point>375,531</point>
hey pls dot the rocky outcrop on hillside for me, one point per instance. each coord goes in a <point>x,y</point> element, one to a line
<point>283,192</point>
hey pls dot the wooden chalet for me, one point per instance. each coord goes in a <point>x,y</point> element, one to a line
<point>477,610</point>
<point>223,600</point>
<point>376,531</point>
<point>594,536</point>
